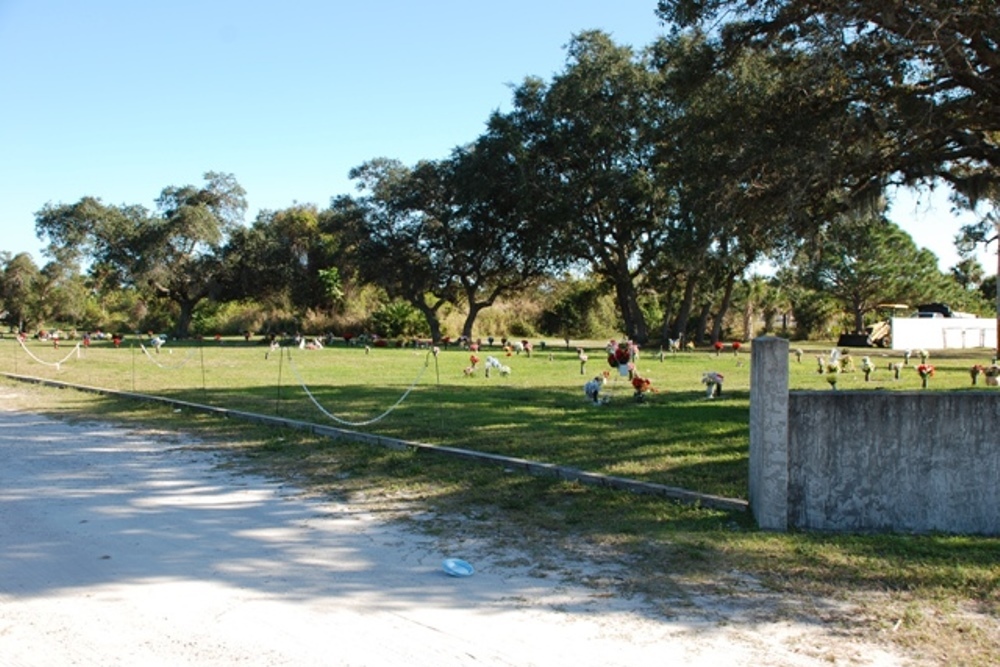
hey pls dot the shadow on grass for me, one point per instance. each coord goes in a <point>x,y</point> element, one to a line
<point>673,439</point>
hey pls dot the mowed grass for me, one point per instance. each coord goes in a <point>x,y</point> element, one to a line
<point>537,412</point>
<point>937,595</point>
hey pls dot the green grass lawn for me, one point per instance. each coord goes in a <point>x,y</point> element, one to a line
<point>538,412</point>
<point>915,591</point>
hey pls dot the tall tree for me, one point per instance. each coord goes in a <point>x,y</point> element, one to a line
<point>588,149</point>
<point>494,240</point>
<point>19,291</point>
<point>863,262</point>
<point>176,253</point>
<point>284,255</point>
<point>396,243</point>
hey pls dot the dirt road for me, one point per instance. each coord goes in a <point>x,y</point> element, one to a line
<point>121,547</point>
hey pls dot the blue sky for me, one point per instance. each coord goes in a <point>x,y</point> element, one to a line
<point>120,98</point>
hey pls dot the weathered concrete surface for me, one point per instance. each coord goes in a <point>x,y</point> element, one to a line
<point>899,461</point>
<point>870,460</point>
<point>768,481</point>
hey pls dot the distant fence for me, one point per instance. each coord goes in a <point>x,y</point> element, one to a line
<point>870,461</point>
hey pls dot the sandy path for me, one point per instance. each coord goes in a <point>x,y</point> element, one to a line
<point>122,548</point>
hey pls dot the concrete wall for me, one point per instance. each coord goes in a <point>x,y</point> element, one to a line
<point>768,483</point>
<point>873,460</point>
<point>943,333</point>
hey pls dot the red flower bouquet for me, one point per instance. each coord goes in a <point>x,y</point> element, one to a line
<point>642,386</point>
<point>926,371</point>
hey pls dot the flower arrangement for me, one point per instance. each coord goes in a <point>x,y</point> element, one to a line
<point>494,363</point>
<point>992,374</point>
<point>833,373</point>
<point>473,365</point>
<point>582,358</point>
<point>798,354</point>
<point>895,367</point>
<point>867,367</point>
<point>846,363</point>
<point>736,347</point>
<point>618,354</point>
<point>592,389</point>
<point>924,354</point>
<point>642,386</point>
<point>975,372</point>
<point>621,356</point>
<point>713,382</point>
<point>925,371</point>
<point>718,345</point>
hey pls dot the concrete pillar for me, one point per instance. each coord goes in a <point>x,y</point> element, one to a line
<point>768,492</point>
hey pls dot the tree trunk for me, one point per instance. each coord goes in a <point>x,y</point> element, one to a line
<point>430,314</point>
<point>635,320</point>
<point>727,299</point>
<point>684,316</point>
<point>997,355</point>
<point>668,308</point>
<point>186,315</point>
<point>706,310</point>
<point>470,319</point>
<point>859,319</point>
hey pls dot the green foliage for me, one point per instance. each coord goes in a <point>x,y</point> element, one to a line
<point>177,254</point>
<point>20,291</point>
<point>989,293</point>
<point>229,319</point>
<point>398,319</point>
<point>333,286</point>
<point>814,312</point>
<point>863,261</point>
<point>587,146</point>
<point>575,310</point>
<point>917,79</point>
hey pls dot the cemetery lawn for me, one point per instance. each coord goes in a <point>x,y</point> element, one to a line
<point>937,595</point>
